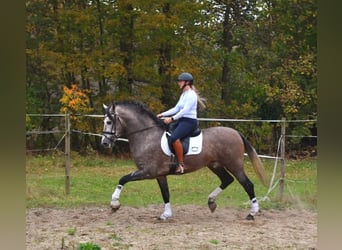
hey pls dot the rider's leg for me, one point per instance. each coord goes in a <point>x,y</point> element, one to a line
<point>185,126</point>
<point>177,146</point>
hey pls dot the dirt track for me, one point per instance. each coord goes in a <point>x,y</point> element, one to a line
<point>191,227</point>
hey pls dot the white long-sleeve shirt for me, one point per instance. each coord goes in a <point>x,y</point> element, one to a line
<point>185,107</point>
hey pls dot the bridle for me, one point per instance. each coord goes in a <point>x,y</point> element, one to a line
<point>111,135</point>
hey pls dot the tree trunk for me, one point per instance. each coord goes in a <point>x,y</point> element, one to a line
<point>102,81</point>
<point>126,45</point>
<point>227,46</point>
<point>165,64</point>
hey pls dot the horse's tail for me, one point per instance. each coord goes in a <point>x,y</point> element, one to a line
<point>256,162</point>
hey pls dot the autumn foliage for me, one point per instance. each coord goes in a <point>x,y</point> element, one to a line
<point>250,59</point>
<point>75,101</point>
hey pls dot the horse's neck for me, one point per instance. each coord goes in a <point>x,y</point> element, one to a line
<point>133,124</point>
<point>137,124</point>
<point>145,139</point>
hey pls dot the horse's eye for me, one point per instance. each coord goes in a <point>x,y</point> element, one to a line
<point>108,122</point>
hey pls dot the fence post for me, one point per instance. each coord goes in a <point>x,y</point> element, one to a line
<point>282,159</point>
<point>67,153</point>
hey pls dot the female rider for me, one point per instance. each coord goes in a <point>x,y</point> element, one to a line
<point>185,112</point>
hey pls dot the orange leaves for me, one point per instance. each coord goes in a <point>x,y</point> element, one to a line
<point>75,100</point>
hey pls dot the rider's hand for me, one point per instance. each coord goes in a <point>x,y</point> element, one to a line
<point>168,120</point>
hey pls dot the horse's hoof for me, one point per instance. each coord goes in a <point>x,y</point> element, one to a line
<point>164,216</point>
<point>115,205</point>
<point>250,217</point>
<point>212,206</point>
<point>114,209</point>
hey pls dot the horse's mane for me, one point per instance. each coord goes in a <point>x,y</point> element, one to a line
<point>140,108</point>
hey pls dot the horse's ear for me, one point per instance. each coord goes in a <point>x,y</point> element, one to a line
<point>105,106</point>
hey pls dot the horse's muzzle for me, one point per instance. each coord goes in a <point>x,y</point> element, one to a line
<point>106,142</point>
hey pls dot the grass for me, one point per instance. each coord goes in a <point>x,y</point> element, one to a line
<point>93,179</point>
<point>88,246</point>
<point>72,231</point>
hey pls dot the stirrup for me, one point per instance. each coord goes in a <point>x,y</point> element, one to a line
<point>180,168</point>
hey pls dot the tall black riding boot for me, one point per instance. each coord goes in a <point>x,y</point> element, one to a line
<point>178,147</point>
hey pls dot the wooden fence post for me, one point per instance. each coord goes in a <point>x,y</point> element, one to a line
<point>282,160</point>
<point>67,153</point>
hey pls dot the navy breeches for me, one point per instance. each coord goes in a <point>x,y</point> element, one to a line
<point>184,127</point>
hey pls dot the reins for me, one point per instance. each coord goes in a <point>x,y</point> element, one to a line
<point>143,129</point>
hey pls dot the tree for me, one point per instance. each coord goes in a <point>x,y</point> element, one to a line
<point>250,59</point>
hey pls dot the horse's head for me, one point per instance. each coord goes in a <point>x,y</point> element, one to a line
<point>125,119</point>
<point>111,128</point>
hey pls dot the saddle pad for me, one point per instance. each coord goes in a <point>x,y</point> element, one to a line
<point>195,145</point>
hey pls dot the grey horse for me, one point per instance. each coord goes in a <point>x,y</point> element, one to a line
<point>222,152</point>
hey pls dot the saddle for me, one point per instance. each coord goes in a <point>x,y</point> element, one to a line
<point>185,141</point>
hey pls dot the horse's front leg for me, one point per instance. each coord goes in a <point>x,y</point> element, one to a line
<point>164,188</point>
<point>134,176</point>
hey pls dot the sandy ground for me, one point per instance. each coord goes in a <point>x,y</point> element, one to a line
<point>191,227</point>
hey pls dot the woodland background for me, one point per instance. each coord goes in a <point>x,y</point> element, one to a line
<point>251,59</point>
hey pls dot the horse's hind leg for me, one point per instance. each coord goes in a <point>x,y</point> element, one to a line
<point>249,188</point>
<point>225,178</point>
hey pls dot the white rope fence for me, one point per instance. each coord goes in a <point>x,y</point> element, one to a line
<point>280,154</point>
<point>99,135</point>
<point>251,120</point>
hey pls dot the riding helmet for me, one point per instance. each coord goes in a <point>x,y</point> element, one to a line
<point>185,77</point>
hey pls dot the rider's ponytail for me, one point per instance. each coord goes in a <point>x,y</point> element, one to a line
<point>201,100</point>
